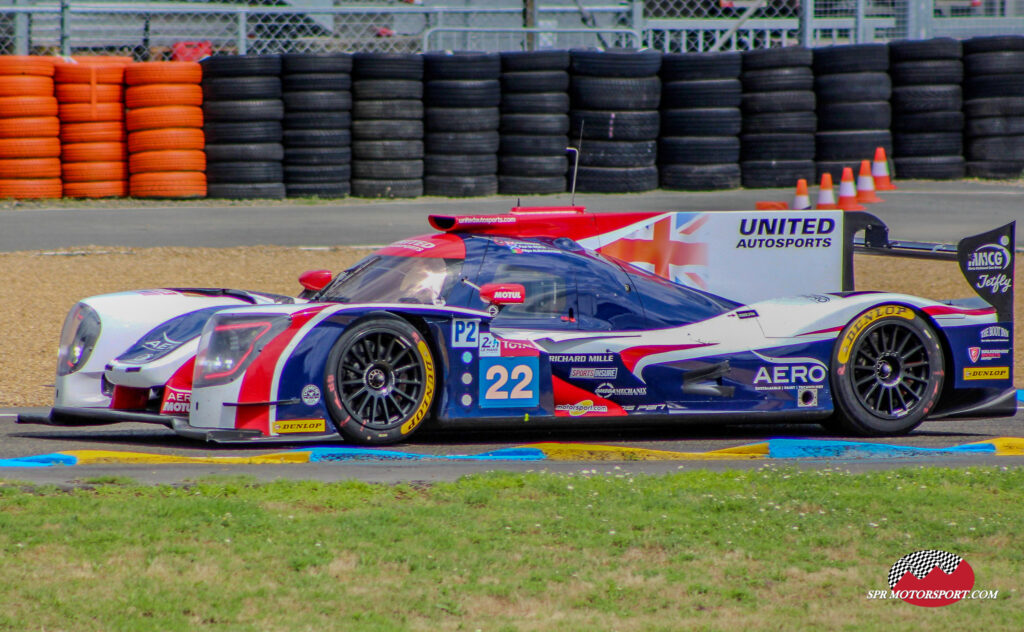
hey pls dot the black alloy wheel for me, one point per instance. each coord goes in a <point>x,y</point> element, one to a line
<point>887,371</point>
<point>380,381</point>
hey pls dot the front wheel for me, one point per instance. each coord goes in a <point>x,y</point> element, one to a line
<point>887,371</point>
<point>380,381</point>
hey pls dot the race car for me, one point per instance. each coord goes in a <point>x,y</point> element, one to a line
<point>557,316</point>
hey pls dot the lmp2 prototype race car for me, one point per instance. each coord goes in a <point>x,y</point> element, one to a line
<point>555,315</point>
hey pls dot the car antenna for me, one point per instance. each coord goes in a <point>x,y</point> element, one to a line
<point>576,164</point>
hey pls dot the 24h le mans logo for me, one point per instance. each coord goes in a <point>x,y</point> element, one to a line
<point>931,579</point>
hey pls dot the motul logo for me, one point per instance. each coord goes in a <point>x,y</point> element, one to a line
<point>507,294</point>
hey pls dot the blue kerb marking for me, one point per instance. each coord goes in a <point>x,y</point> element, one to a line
<point>325,455</point>
<point>1020,395</point>
<point>809,448</point>
<point>40,460</point>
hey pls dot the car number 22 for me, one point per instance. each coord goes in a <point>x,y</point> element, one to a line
<point>509,382</point>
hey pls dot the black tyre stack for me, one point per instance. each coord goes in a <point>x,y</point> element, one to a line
<point>700,121</point>
<point>534,122</point>
<point>927,117</point>
<point>994,106</point>
<point>853,88</point>
<point>387,125</point>
<point>462,92</point>
<point>616,94</point>
<point>242,113</point>
<point>777,145</point>
<point>317,94</point>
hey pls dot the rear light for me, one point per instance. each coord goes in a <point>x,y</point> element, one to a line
<point>229,344</point>
<point>77,338</point>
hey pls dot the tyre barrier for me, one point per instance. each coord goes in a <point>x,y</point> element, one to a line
<point>534,122</point>
<point>461,94</point>
<point>928,120</point>
<point>619,83</point>
<point>303,124</point>
<point>29,129</point>
<point>97,165</point>
<point>317,95</point>
<point>242,114</point>
<point>387,125</point>
<point>699,146</point>
<point>779,121</point>
<point>994,106</point>
<point>164,124</point>
<point>851,79</point>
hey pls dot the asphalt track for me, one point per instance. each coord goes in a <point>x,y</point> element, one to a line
<point>918,211</point>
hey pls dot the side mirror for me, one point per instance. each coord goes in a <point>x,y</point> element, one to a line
<point>315,280</point>
<point>502,293</point>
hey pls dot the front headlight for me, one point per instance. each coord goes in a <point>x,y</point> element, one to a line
<point>230,343</point>
<point>77,338</point>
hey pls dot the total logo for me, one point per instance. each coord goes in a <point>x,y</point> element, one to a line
<point>606,390</point>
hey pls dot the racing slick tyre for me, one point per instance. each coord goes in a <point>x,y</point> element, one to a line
<point>996,169</point>
<point>951,121</point>
<point>887,371</point>
<point>387,188</point>
<point>786,57</point>
<point>615,93</point>
<point>694,150</point>
<point>456,165</point>
<point>698,122</point>
<point>704,93</point>
<point>380,381</point>
<point>292,63</point>
<point>387,169</point>
<point>642,153</point>
<point>847,116</point>
<point>850,59</point>
<point>461,186</point>
<point>318,189</point>
<point>408,109</point>
<point>251,191</point>
<point>387,66</point>
<point>527,185</point>
<point>464,119</point>
<point>696,66</point>
<point>780,122</point>
<point>683,177</point>
<point>616,179</point>
<point>539,124</point>
<point>923,50</point>
<point>930,167</point>
<point>929,72</point>
<point>535,81</point>
<point>616,62</point>
<point>535,103</point>
<point>617,125</point>
<point>513,61</point>
<point>776,79</point>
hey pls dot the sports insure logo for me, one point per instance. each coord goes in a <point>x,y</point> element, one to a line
<point>930,579</point>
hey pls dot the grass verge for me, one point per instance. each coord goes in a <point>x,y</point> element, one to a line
<point>768,549</point>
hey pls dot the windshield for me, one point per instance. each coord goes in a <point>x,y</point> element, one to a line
<point>389,279</point>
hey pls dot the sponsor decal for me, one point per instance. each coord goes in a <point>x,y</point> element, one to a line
<point>311,395</point>
<point>175,401</point>
<point>782,376</point>
<point>583,358</point>
<point>747,313</point>
<point>786,232</point>
<point>490,347</point>
<point>512,382</point>
<point>995,332</point>
<point>465,332</point>
<point>987,373</point>
<point>299,425</point>
<point>593,373</point>
<point>648,408</point>
<point>973,353</point>
<point>416,245</point>
<point>487,219</point>
<point>865,319</point>
<point>581,408</point>
<point>162,344</point>
<point>519,247</point>
<point>931,579</point>
<point>816,298</point>
<point>508,294</point>
<point>607,390</point>
<point>428,390</point>
<point>993,354</point>
<point>986,261</point>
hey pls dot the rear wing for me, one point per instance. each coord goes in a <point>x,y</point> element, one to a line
<point>986,260</point>
<point>747,256</point>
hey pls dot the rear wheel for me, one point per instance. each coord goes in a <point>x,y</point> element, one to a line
<point>887,371</point>
<point>380,381</point>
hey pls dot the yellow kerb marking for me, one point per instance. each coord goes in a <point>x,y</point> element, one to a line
<point>590,452</point>
<point>99,457</point>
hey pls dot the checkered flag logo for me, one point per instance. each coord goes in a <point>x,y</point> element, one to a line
<point>921,563</point>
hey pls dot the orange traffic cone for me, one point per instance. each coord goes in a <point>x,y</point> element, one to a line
<point>802,200</point>
<point>826,196</point>
<point>880,171</point>
<point>848,192</point>
<point>866,185</point>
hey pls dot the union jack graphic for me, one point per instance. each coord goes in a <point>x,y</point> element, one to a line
<point>670,247</point>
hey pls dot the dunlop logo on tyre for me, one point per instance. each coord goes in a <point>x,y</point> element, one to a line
<point>865,319</point>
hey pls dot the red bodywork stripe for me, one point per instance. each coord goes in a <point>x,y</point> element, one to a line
<point>634,354</point>
<point>942,310</point>
<point>260,375</point>
<point>823,331</point>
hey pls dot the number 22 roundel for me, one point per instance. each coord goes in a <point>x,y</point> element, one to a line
<point>509,382</point>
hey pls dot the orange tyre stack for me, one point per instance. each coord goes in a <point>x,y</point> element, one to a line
<point>94,155</point>
<point>29,129</point>
<point>165,130</point>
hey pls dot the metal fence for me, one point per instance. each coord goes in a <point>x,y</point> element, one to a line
<point>162,30</point>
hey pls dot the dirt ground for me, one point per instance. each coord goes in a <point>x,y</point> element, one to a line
<point>40,287</point>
